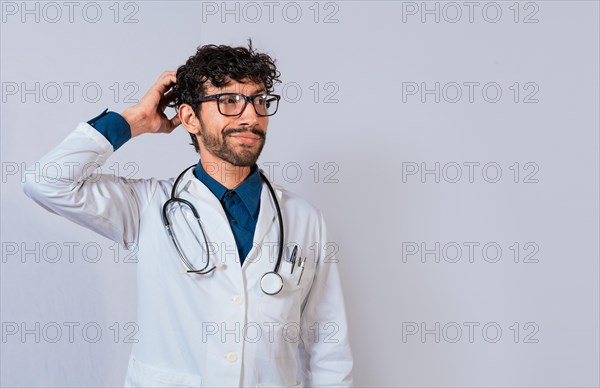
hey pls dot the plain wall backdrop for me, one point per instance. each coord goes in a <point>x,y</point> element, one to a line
<point>453,147</point>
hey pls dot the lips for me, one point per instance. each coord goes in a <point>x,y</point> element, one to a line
<point>246,138</point>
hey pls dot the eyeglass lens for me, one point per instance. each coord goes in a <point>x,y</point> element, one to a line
<point>233,104</point>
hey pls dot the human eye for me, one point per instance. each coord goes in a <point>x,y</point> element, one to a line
<point>270,100</point>
<point>230,99</point>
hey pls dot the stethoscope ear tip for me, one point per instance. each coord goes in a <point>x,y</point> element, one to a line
<point>220,265</point>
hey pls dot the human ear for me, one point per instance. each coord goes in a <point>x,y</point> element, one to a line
<point>188,118</point>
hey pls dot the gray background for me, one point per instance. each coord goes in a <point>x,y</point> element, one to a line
<point>405,310</point>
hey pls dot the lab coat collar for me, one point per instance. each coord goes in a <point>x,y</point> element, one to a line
<point>210,210</point>
<point>189,183</point>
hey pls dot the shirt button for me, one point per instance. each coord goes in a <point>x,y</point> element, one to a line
<point>231,357</point>
<point>237,300</point>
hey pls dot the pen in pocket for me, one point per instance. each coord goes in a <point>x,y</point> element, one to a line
<point>301,265</point>
<point>292,258</point>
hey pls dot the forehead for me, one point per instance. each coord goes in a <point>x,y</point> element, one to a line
<point>246,86</point>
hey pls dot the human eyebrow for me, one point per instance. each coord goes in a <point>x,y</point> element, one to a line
<point>259,91</point>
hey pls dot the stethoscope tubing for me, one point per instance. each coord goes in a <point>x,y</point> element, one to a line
<point>267,277</point>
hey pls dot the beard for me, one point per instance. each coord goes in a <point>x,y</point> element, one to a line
<point>220,146</point>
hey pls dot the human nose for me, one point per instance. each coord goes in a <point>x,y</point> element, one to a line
<point>249,116</point>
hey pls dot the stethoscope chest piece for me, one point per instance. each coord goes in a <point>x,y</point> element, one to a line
<point>271,283</point>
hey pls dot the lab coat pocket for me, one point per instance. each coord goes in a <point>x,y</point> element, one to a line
<point>140,374</point>
<point>300,276</point>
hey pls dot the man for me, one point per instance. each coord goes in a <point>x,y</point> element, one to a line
<point>213,320</point>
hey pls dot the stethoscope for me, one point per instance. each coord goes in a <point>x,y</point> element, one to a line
<point>270,283</point>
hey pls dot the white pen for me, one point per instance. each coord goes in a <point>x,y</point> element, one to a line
<point>301,265</point>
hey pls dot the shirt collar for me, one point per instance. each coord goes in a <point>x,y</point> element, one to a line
<point>248,190</point>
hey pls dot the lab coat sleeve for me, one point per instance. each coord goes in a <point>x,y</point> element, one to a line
<point>66,183</point>
<point>326,355</point>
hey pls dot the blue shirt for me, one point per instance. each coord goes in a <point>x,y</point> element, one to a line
<point>241,205</point>
<point>113,127</point>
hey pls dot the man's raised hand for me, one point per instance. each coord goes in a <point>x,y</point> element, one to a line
<point>148,115</point>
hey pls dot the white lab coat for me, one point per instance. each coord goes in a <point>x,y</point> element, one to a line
<point>220,330</point>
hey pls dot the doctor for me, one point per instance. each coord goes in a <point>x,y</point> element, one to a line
<point>220,325</point>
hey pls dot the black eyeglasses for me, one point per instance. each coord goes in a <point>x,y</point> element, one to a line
<point>232,104</point>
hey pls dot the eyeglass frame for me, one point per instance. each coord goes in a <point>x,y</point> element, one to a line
<point>247,99</point>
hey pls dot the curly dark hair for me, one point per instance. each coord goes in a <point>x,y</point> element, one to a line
<point>218,64</point>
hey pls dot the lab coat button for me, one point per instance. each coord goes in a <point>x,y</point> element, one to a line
<point>237,299</point>
<point>231,357</point>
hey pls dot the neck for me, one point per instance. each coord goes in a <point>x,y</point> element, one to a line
<point>225,173</point>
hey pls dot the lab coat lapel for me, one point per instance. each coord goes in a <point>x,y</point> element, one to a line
<point>266,225</point>
<point>213,218</point>
<point>201,193</point>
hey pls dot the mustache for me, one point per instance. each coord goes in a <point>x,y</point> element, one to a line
<point>254,131</point>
